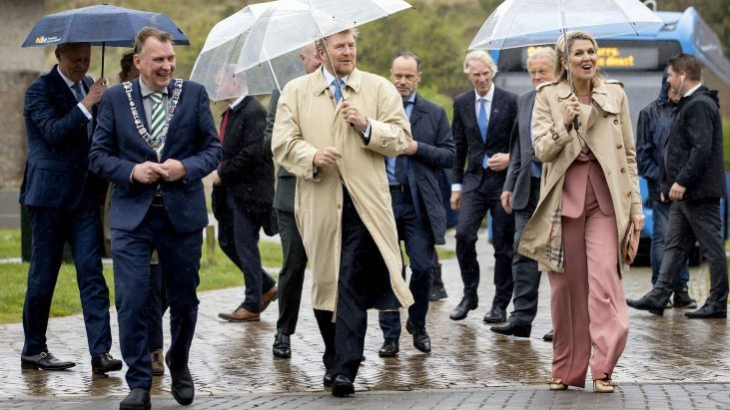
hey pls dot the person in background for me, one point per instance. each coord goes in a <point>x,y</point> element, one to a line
<point>520,195</point>
<point>414,189</point>
<point>652,133</point>
<point>483,119</point>
<point>589,196</point>
<point>695,183</point>
<point>63,201</point>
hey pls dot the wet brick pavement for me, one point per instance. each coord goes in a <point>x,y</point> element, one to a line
<point>672,360</point>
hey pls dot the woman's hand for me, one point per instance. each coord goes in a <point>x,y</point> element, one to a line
<point>638,221</point>
<point>570,110</point>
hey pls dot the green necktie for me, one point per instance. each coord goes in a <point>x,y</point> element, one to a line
<point>157,122</point>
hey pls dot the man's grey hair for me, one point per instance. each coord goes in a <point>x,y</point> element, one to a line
<point>479,55</point>
<point>542,52</point>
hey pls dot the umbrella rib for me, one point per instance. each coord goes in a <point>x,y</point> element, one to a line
<point>631,24</point>
<point>511,23</point>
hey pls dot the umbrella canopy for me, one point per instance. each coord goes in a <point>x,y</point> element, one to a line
<point>215,66</point>
<point>99,25</point>
<point>520,23</point>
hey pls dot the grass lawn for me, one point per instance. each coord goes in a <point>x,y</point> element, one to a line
<point>218,274</point>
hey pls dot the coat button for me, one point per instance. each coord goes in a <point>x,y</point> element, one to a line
<point>619,146</point>
<point>605,115</point>
<point>628,194</point>
<point>615,122</point>
<point>555,137</point>
<point>339,206</point>
<point>623,170</point>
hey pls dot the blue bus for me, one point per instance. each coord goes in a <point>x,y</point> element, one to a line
<point>639,62</point>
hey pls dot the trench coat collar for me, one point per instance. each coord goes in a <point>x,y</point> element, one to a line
<point>354,82</point>
<point>599,94</point>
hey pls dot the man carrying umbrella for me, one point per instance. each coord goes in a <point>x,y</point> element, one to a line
<point>156,140</point>
<point>63,201</point>
<point>334,128</point>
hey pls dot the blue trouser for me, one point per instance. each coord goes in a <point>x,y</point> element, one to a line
<point>179,255</point>
<point>238,236</point>
<point>419,242</point>
<point>474,207</point>
<point>660,218</point>
<point>51,229</point>
<point>156,307</point>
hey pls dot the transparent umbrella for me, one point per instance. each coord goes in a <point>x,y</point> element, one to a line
<point>519,23</point>
<point>290,25</point>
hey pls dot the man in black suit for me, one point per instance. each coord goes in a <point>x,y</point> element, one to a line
<point>243,194</point>
<point>63,202</point>
<point>520,194</point>
<point>155,141</point>
<point>482,123</point>
<point>419,214</point>
<point>291,276</point>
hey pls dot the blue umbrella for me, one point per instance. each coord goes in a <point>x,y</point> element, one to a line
<point>101,26</point>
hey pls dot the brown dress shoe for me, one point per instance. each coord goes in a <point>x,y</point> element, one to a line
<point>158,366</point>
<point>268,297</point>
<point>240,315</point>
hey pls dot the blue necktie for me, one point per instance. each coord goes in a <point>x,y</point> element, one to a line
<point>77,92</point>
<point>482,121</point>
<point>338,89</point>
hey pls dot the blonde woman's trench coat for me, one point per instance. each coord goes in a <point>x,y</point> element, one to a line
<point>307,119</point>
<point>606,128</point>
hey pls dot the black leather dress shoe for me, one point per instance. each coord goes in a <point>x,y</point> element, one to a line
<point>44,361</point>
<point>463,308</point>
<point>707,312</point>
<point>421,339</point>
<point>495,315</point>
<point>342,386</point>
<point>327,379</point>
<point>105,363</point>
<point>137,399</point>
<point>512,329</point>
<point>282,346</point>
<point>182,387</point>
<point>389,348</point>
<point>548,337</point>
<point>438,292</point>
<point>682,299</point>
<point>647,304</point>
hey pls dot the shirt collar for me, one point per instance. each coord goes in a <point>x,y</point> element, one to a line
<point>411,99</point>
<point>146,90</point>
<point>692,90</point>
<point>329,77</point>
<point>490,94</point>
<point>238,101</point>
<point>68,82</point>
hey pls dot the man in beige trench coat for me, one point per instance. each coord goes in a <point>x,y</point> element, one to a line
<point>335,140</point>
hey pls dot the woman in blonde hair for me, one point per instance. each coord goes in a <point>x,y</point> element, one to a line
<point>589,195</point>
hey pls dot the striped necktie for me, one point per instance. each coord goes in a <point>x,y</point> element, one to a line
<point>157,122</point>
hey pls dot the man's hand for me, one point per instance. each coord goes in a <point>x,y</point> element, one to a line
<point>215,177</point>
<point>94,95</point>
<point>676,193</point>
<point>148,172</point>
<point>456,200</point>
<point>352,115</point>
<point>326,157</point>
<point>175,170</point>
<point>498,162</point>
<point>506,199</point>
<point>412,148</point>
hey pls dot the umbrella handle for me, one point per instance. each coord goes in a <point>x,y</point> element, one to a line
<point>103,49</point>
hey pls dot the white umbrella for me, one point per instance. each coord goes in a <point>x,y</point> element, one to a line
<point>292,24</point>
<point>216,63</point>
<point>519,23</point>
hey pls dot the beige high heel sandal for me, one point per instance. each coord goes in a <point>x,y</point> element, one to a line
<point>556,384</point>
<point>604,386</point>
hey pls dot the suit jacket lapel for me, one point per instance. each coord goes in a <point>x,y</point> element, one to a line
<point>471,115</point>
<point>417,112</point>
<point>138,101</point>
<point>62,89</point>
<point>497,102</point>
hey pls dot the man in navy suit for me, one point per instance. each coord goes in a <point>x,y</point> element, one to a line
<point>482,123</point>
<point>155,141</point>
<point>63,202</point>
<point>419,213</point>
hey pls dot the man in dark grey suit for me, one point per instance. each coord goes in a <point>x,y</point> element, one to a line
<point>483,118</point>
<point>520,194</point>
<point>291,276</point>
<point>414,188</point>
